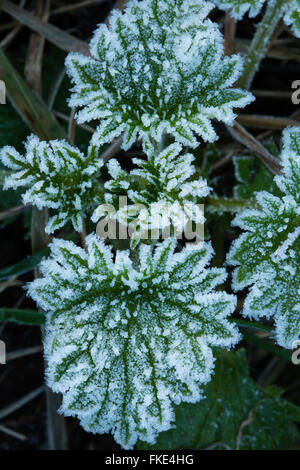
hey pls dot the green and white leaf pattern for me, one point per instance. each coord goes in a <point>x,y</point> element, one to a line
<point>56,175</point>
<point>125,342</point>
<point>157,69</point>
<point>240,7</point>
<point>163,193</point>
<point>267,255</point>
<point>291,10</point>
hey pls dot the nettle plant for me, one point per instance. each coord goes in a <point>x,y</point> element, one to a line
<point>130,333</point>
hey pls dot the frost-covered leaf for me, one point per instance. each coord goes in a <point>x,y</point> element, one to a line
<point>292,16</point>
<point>291,10</point>
<point>231,397</point>
<point>162,193</point>
<point>13,131</point>
<point>124,342</point>
<point>56,175</point>
<point>240,7</point>
<point>267,255</point>
<point>158,68</point>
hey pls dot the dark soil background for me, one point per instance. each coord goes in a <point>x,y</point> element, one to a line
<point>21,376</point>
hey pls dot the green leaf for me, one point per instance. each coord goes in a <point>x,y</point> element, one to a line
<point>23,266</point>
<point>267,345</point>
<point>240,7</point>
<point>292,16</point>
<point>13,131</point>
<point>231,398</point>
<point>125,341</point>
<point>23,317</point>
<point>267,254</point>
<point>55,175</point>
<point>158,68</point>
<point>162,191</point>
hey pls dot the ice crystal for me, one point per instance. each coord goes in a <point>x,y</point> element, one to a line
<point>290,8</point>
<point>158,68</point>
<point>57,176</point>
<point>268,253</point>
<point>125,342</point>
<point>163,193</point>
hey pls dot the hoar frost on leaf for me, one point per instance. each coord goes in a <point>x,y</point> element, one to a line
<point>292,16</point>
<point>158,68</point>
<point>268,253</point>
<point>123,342</point>
<point>240,7</point>
<point>162,193</point>
<point>58,176</point>
<point>290,10</point>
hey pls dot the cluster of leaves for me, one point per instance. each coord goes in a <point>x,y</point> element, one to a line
<point>130,334</point>
<point>58,176</point>
<point>161,193</point>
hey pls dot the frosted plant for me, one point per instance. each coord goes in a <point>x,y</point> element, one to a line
<point>292,16</point>
<point>290,10</point>
<point>240,7</point>
<point>131,334</point>
<point>56,175</point>
<point>162,193</point>
<point>158,68</point>
<point>124,342</point>
<point>267,255</point>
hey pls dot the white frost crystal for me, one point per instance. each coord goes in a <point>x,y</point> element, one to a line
<point>58,176</point>
<point>162,193</point>
<point>158,68</point>
<point>125,342</point>
<point>268,253</point>
<point>290,8</point>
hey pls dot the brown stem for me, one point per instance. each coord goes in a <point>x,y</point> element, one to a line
<point>240,134</point>
<point>266,122</point>
<point>230,29</point>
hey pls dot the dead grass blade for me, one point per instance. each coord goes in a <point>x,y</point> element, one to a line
<point>266,122</point>
<point>60,38</point>
<point>8,410</point>
<point>30,107</point>
<point>240,134</point>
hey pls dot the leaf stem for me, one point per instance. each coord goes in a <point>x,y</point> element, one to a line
<point>252,324</point>
<point>240,134</point>
<point>267,346</point>
<point>260,43</point>
<point>220,206</point>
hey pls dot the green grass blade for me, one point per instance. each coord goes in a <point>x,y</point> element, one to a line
<point>23,266</point>
<point>23,317</point>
